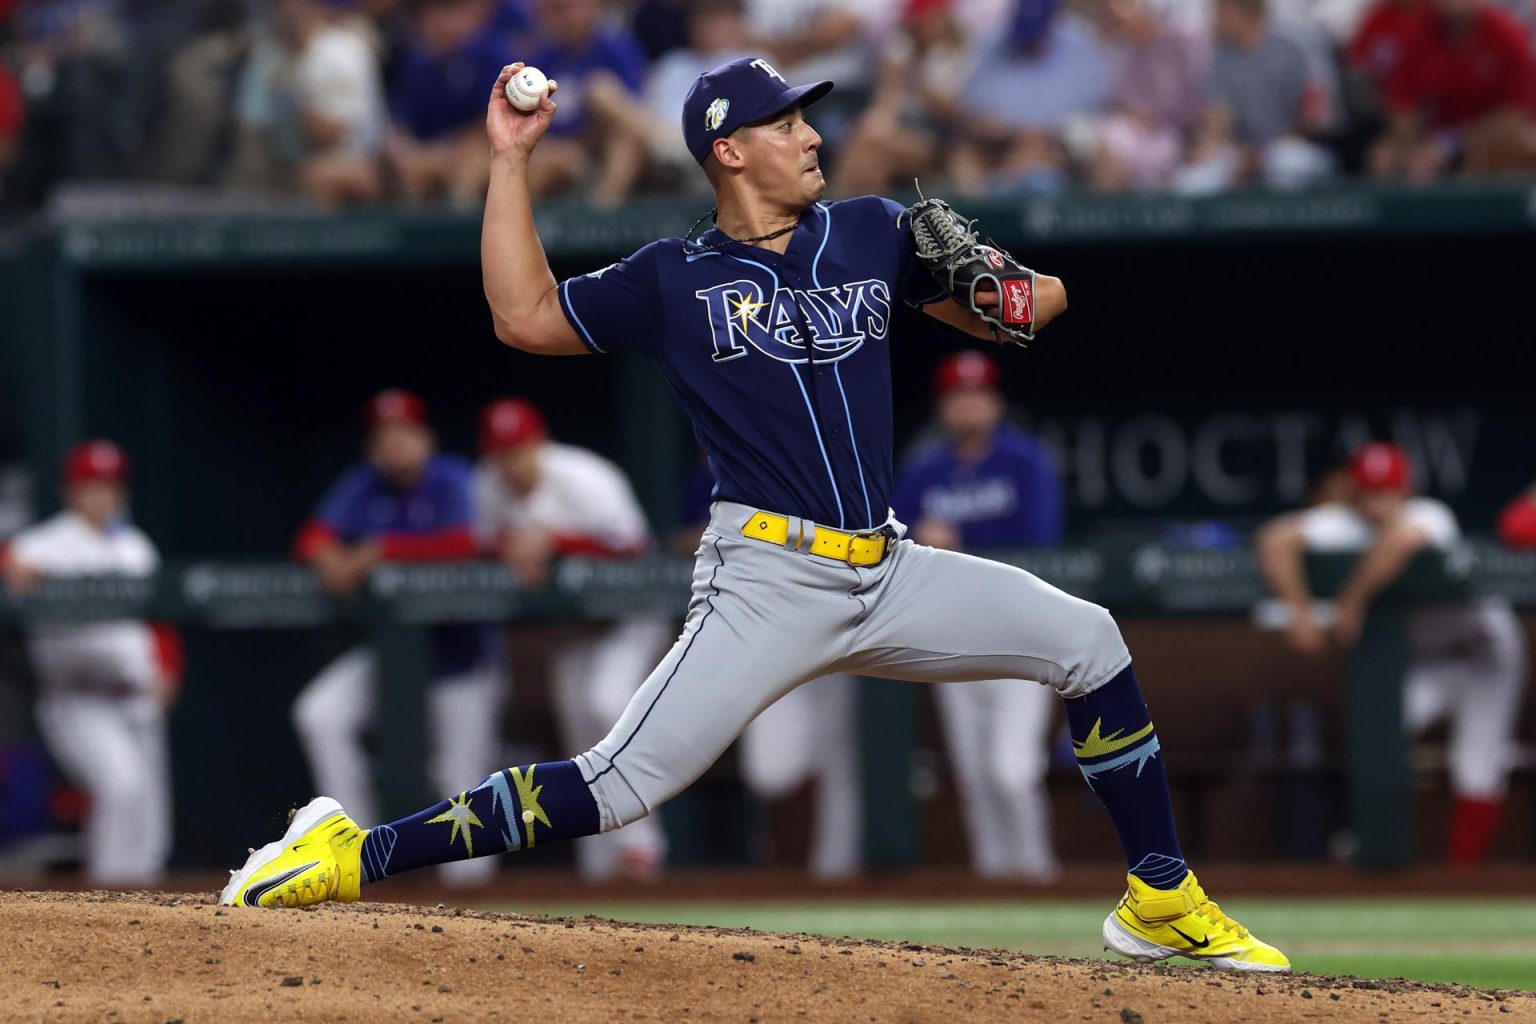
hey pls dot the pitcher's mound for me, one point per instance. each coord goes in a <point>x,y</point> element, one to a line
<point>136,957</point>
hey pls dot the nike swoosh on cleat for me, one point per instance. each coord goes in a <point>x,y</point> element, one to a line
<point>252,896</point>
<point>1200,944</point>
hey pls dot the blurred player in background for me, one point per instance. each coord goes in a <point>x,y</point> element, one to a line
<point>1468,657</point>
<point>809,736</point>
<point>105,685</point>
<point>404,502</point>
<point>536,500</point>
<point>988,484</point>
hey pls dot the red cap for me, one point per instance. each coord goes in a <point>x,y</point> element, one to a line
<point>511,422</point>
<point>966,370</point>
<point>395,405</point>
<point>95,460</point>
<point>915,9</point>
<point>1381,467</point>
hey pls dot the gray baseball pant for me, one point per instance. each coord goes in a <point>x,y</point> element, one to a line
<point>765,618</point>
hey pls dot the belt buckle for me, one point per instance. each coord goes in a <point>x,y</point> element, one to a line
<point>883,531</point>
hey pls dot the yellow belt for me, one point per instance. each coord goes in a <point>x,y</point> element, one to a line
<point>856,549</point>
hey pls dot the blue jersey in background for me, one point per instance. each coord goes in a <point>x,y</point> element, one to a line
<point>1011,497</point>
<point>431,521</point>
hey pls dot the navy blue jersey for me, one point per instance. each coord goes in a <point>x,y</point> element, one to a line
<point>788,428</point>
<point>1011,497</point>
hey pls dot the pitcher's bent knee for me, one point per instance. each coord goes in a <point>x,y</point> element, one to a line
<point>1099,651</point>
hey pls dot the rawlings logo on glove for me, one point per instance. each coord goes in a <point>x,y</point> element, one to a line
<point>967,267</point>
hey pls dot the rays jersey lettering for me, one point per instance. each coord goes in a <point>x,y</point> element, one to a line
<point>780,359</point>
<point>840,318</point>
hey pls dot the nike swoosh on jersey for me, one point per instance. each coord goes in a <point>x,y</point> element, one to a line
<point>1097,746</point>
<point>252,896</point>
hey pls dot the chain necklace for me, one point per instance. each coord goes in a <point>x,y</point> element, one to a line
<point>688,238</point>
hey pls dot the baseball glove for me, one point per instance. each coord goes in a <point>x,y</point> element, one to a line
<point>953,252</point>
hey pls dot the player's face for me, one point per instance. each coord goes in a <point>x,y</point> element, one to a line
<point>519,467</point>
<point>969,412</point>
<point>98,502</point>
<point>400,450</point>
<point>781,160</point>
<point>1379,507</point>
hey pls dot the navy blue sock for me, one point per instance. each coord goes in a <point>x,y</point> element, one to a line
<point>508,811</point>
<point>1118,753</point>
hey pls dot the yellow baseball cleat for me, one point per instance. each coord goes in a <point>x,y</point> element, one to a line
<point>318,859</point>
<point>1155,924</point>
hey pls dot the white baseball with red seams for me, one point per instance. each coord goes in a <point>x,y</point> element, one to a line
<point>527,89</point>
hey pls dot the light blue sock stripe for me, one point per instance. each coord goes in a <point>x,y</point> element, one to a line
<point>1140,753</point>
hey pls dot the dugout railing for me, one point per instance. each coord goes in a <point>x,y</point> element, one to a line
<point>401,603</point>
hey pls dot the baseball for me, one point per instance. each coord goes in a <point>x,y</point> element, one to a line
<point>527,89</point>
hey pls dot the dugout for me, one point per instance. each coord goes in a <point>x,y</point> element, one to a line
<point>1217,353</point>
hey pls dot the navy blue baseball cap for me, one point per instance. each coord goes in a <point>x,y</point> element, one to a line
<point>740,92</point>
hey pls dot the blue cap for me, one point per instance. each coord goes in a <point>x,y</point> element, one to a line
<point>740,92</point>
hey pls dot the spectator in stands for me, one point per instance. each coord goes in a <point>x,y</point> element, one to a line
<point>1517,524</point>
<point>808,40</point>
<point>717,33</point>
<point>310,109</point>
<point>986,484</point>
<point>1046,72</point>
<point>404,503</point>
<point>900,135</point>
<point>437,144</point>
<point>1468,658</point>
<point>601,72</point>
<point>198,117</point>
<point>1462,97</point>
<point>106,685</point>
<point>1157,96</point>
<point>661,26</point>
<point>1263,103</point>
<point>1376,49</point>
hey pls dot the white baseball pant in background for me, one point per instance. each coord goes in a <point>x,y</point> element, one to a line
<point>812,734</point>
<point>336,709</point>
<point>998,735</point>
<point>114,746</point>
<point>594,679</point>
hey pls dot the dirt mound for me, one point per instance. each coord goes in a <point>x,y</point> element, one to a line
<point>115,957</point>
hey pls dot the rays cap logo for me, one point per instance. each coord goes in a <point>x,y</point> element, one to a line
<point>744,91</point>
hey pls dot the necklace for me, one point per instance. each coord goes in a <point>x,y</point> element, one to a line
<point>688,238</point>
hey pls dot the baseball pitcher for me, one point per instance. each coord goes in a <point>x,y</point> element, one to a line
<point>774,329</point>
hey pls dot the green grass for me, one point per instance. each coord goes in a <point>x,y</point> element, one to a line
<point>1490,943</point>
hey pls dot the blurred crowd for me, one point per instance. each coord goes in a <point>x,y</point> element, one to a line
<point>359,101</point>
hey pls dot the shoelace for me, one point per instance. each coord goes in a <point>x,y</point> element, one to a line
<point>1212,913</point>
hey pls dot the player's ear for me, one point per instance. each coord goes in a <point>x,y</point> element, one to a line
<point>726,152</point>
